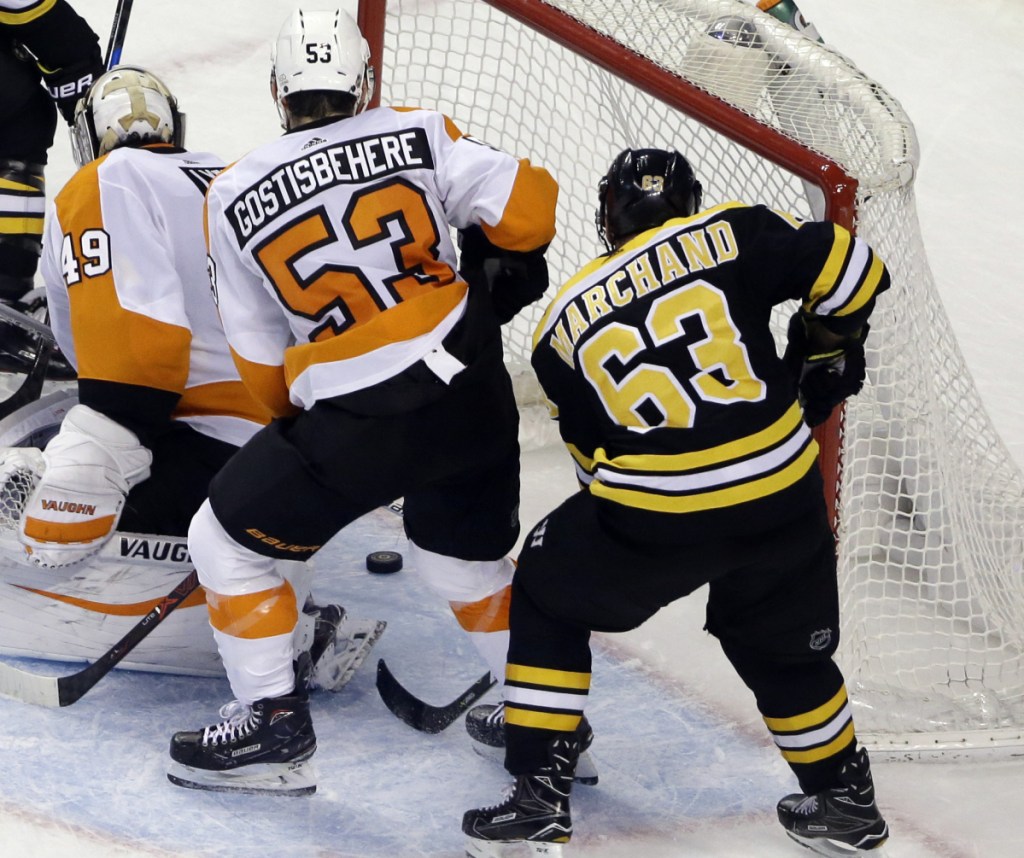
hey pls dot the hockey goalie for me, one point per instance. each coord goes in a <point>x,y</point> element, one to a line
<point>88,475</point>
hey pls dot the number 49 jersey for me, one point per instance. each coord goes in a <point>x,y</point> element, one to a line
<point>129,295</point>
<point>661,368</point>
<point>331,254</point>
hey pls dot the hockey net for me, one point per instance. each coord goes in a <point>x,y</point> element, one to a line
<point>929,504</point>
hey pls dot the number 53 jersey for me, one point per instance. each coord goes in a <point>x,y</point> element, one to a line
<point>661,367</point>
<point>331,253</point>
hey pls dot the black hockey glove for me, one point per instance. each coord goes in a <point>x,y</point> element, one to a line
<point>825,375</point>
<point>514,279</point>
<point>70,83</point>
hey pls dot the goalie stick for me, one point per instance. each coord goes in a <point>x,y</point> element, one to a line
<point>56,691</point>
<point>420,715</point>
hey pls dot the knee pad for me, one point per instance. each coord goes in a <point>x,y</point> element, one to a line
<point>223,565</point>
<point>461,580</point>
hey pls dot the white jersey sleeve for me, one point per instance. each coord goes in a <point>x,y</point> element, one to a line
<point>125,273</point>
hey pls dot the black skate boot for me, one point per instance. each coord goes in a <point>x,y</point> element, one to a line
<point>535,812</point>
<point>486,727</point>
<point>260,748</point>
<point>340,645</point>
<point>840,821</point>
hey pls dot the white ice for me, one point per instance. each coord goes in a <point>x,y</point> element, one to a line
<point>687,769</point>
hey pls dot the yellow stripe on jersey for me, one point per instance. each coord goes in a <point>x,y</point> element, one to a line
<point>559,723</point>
<point>867,289</point>
<point>31,225</point>
<point>815,755</point>
<point>528,221</point>
<point>740,448</point>
<point>221,399</point>
<point>546,676</point>
<point>28,13</point>
<point>712,499</point>
<point>829,275</point>
<point>265,614</point>
<point>810,719</point>
<point>22,187</point>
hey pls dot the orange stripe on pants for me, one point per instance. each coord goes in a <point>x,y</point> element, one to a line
<point>255,615</point>
<point>489,614</point>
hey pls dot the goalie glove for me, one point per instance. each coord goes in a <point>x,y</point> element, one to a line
<point>89,468</point>
<point>514,279</point>
<point>828,367</point>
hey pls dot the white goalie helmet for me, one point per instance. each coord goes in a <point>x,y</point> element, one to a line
<point>321,49</point>
<point>126,106</point>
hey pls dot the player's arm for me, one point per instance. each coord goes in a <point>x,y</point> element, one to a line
<point>505,210</point>
<point>840,277</point>
<point>65,47</point>
<point>256,329</point>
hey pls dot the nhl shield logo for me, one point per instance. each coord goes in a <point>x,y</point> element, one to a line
<point>821,639</point>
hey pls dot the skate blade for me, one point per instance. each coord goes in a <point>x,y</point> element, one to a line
<point>586,770</point>
<point>512,849</point>
<point>291,779</point>
<point>837,849</point>
<point>353,642</point>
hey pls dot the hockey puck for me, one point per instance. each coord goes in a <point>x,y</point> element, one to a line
<point>383,562</point>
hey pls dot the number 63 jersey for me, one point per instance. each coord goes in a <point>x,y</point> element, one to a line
<point>331,253</point>
<point>660,365</point>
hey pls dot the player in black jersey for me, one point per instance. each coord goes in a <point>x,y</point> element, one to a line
<point>44,45</point>
<point>691,441</point>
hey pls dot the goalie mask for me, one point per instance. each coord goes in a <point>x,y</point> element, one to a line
<point>126,106</point>
<point>642,189</point>
<point>321,50</point>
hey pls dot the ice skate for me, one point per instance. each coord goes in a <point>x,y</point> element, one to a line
<point>486,727</point>
<point>841,821</point>
<point>261,748</point>
<point>535,811</point>
<point>340,645</point>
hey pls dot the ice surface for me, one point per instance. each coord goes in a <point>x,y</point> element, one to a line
<point>686,767</point>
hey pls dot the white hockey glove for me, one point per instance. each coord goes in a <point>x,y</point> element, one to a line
<point>89,467</point>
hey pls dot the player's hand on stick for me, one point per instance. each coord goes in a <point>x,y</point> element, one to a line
<point>828,367</point>
<point>89,468</point>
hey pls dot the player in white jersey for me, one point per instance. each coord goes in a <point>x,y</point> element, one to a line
<point>160,405</point>
<point>339,288</point>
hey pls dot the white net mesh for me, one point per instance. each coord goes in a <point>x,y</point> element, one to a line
<point>931,504</point>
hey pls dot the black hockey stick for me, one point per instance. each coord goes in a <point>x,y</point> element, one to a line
<point>118,30</point>
<point>30,389</point>
<point>57,691</point>
<point>422,716</point>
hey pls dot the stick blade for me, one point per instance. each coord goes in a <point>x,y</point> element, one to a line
<point>420,715</point>
<point>29,687</point>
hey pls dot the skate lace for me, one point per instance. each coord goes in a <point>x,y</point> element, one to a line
<point>239,721</point>
<point>506,796</point>
<point>496,716</point>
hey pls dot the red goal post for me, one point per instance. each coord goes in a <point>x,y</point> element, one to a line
<point>928,504</point>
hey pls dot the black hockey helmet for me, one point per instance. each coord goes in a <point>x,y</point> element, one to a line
<point>642,189</point>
